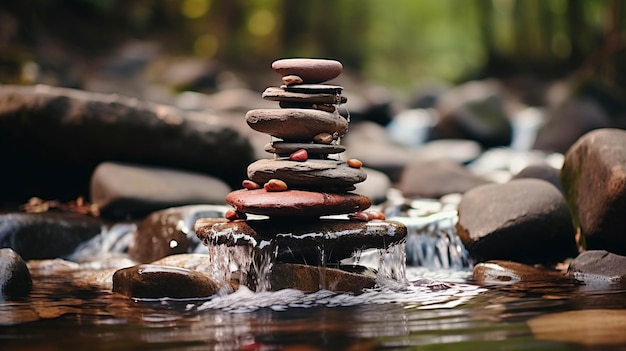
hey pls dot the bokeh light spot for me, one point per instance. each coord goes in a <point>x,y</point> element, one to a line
<point>261,23</point>
<point>205,46</point>
<point>195,8</point>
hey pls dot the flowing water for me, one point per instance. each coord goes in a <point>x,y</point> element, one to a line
<point>437,307</point>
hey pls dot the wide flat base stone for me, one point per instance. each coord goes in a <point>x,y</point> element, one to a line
<point>303,240</point>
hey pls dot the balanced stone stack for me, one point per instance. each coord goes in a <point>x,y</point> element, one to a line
<point>303,181</point>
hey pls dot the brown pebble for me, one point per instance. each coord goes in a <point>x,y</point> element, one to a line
<point>292,79</point>
<point>324,107</point>
<point>232,215</point>
<point>354,163</point>
<point>299,155</point>
<point>275,185</point>
<point>323,138</point>
<point>250,185</point>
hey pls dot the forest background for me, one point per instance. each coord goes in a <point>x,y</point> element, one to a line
<point>397,43</point>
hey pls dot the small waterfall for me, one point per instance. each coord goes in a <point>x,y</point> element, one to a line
<point>250,263</point>
<point>432,242</point>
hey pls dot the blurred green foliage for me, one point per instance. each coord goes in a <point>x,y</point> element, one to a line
<point>396,42</point>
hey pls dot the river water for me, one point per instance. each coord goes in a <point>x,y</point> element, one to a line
<point>439,309</point>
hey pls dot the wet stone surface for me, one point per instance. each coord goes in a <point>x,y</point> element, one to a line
<point>305,241</point>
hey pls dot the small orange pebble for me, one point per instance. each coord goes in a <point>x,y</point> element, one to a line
<point>354,163</point>
<point>300,155</point>
<point>232,215</point>
<point>376,214</point>
<point>275,185</point>
<point>250,185</point>
<point>292,79</point>
<point>323,138</point>
<point>367,215</point>
<point>359,216</point>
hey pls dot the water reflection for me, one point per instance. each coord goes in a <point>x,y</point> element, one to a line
<point>436,308</point>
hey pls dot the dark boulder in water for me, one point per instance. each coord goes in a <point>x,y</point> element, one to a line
<point>51,139</point>
<point>524,220</point>
<point>594,183</point>
<point>15,280</point>
<point>46,235</point>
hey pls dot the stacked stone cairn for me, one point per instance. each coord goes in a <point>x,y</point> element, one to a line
<point>289,244</point>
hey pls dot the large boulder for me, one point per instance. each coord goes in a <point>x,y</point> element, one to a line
<point>122,190</point>
<point>594,182</point>
<point>524,220</point>
<point>51,140</point>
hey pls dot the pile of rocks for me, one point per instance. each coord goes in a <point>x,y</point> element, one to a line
<point>300,184</point>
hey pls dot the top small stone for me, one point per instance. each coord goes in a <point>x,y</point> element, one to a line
<point>312,71</point>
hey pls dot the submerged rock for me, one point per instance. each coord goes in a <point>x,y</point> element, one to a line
<point>599,266</point>
<point>590,327</point>
<point>524,220</point>
<point>46,235</point>
<point>132,191</point>
<point>312,278</point>
<point>152,281</point>
<point>594,183</point>
<point>499,272</point>
<point>15,280</point>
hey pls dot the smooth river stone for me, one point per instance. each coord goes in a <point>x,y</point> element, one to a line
<point>286,148</point>
<point>278,94</point>
<point>296,123</point>
<point>296,202</point>
<point>301,241</point>
<point>312,173</point>
<point>310,70</point>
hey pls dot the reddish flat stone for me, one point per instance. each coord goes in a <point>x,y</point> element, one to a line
<point>296,202</point>
<point>311,71</point>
